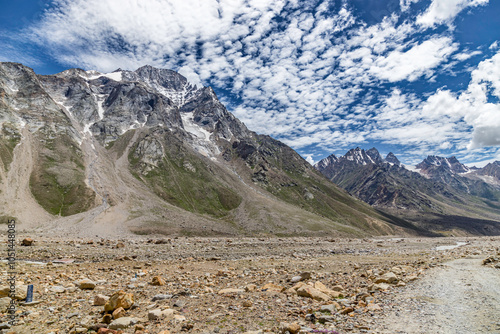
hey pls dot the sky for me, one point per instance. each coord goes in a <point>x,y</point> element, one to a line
<point>412,77</point>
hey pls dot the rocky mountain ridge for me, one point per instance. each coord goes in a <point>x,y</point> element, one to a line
<point>145,151</point>
<point>437,191</point>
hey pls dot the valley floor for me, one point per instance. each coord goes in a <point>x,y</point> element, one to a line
<point>257,285</point>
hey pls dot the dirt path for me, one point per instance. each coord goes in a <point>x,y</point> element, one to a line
<point>461,296</point>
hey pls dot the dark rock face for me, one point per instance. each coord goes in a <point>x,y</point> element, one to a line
<point>442,184</point>
<point>391,158</point>
<point>491,169</point>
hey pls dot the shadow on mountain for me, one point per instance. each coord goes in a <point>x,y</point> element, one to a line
<point>473,226</point>
<point>408,225</point>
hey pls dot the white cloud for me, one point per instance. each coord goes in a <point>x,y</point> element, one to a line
<point>474,106</point>
<point>415,62</point>
<point>405,4</point>
<point>445,11</point>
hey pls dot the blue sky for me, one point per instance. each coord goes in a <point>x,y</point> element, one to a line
<point>414,77</point>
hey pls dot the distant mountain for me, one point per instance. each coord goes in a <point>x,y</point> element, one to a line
<point>442,189</point>
<point>146,151</point>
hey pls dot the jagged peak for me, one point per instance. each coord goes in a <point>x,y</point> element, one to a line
<point>392,159</point>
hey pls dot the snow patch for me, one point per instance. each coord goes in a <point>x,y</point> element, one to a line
<point>201,137</point>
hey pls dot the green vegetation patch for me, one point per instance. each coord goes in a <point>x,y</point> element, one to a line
<point>58,180</point>
<point>9,138</point>
<point>182,178</point>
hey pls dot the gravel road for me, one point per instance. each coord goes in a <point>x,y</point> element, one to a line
<point>461,296</point>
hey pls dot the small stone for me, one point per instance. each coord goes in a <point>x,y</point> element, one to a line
<point>21,291</point>
<point>86,284</point>
<point>247,303</point>
<point>229,291</point>
<point>107,318</point>
<point>119,299</point>
<point>161,297</point>
<point>309,291</point>
<point>273,287</point>
<point>118,313</point>
<point>123,322</point>
<point>4,304</point>
<point>157,281</point>
<point>27,242</point>
<point>380,286</point>
<point>250,287</point>
<point>4,325</point>
<point>100,300</point>
<point>293,328</point>
<point>347,310</point>
<point>57,289</point>
<point>388,277</point>
<point>160,314</point>
<point>108,331</point>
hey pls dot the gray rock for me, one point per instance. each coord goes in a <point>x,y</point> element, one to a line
<point>161,297</point>
<point>123,322</point>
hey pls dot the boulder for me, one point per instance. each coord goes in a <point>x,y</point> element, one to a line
<point>309,291</point>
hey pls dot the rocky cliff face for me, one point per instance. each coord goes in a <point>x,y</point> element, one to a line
<point>145,150</point>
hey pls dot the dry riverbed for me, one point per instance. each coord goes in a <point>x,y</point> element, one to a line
<point>254,285</point>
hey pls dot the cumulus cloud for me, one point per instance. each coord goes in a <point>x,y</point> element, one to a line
<point>415,62</point>
<point>474,106</point>
<point>444,11</point>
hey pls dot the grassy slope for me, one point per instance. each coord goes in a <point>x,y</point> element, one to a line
<point>57,181</point>
<point>184,179</point>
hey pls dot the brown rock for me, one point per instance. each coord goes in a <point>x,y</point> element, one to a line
<point>108,331</point>
<point>21,291</point>
<point>389,278</point>
<point>293,328</point>
<point>100,300</point>
<point>347,310</point>
<point>158,281</point>
<point>118,313</point>
<point>309,291</point>
<point>247,303</point>
<point>250,287</point>
<point>86,284</point>
<point>273,287</point>
<point>27,242</point>
<point>107,318</point>
<point>230,290</point>
<point>119,299</point>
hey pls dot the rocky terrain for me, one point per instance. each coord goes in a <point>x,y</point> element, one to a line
<point>249,285</point>
<point>439,194</point>
<point>147,152</point>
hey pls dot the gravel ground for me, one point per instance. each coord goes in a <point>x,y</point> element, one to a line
<point>261,274</point>
<point>461,296</point>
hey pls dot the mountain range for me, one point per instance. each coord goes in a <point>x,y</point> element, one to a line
<point>145,151</point>
<point>438,194</point>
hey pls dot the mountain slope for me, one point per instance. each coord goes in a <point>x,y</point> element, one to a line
<point>445,195</point>
<point>145,151</point>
